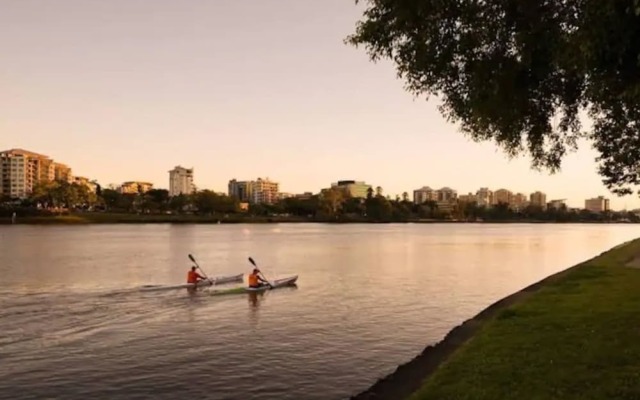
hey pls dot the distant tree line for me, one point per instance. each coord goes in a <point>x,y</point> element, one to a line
<point>330,205</point>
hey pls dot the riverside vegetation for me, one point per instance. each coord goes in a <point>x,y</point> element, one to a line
<point>62,202</point>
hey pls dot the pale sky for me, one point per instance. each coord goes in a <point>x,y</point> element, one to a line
<point>127,89</point>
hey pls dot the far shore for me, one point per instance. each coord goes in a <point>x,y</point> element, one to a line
<point>122,218</point>
<point>476,357</point>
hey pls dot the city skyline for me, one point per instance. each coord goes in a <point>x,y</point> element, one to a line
<point>141,89</point>
<point>265,190</point>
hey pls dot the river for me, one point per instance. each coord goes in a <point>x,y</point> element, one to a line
<point>75,322</point>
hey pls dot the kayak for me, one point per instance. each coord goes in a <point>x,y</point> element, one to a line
<point>219,280</point>
<point>278,283</point>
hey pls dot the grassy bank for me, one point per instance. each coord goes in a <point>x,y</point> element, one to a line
<point>574,335</point>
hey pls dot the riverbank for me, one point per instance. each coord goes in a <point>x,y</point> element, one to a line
<point>574,335</point>
<point>122,218</point>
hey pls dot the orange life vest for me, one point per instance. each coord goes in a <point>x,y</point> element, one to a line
<point>253,280</point>
<point>192,277</point>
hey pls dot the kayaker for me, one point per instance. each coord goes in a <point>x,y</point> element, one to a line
<point>193,276</point>
<point>255,280</point>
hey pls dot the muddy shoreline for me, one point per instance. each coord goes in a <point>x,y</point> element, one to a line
<point>409,377</point>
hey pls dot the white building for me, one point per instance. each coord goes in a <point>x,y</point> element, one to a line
<point>181,181</point>
<point>265,191</point>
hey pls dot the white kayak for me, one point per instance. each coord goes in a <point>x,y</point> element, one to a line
<point>219,280</point>
<point>278,283</point>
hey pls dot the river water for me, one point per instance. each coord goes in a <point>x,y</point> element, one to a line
<point>76,322</point>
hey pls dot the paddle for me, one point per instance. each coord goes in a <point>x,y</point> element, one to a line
<point>203,273</point>
<point>256,265</point>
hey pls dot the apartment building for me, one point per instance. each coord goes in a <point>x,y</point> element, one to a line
<point>467,198</point>
<point>241,190</point>
<point>484,197</point>
<point>255,192</point>
<point>181,181</point>
<point>446,194</point>
<point>135,187</point>
<point>21,170</point>
<point>265,191</point>
<point>538,199</point>
<point>353,188</point>
<point>424,194</point>
<point>62,172</point>
<point>519,201</point>
<point>597,204</point>
<point>502,196</point>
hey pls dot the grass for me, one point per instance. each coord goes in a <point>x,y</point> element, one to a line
<point>577,337</point>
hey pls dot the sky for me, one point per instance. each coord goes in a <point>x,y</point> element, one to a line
<point>128,89</point>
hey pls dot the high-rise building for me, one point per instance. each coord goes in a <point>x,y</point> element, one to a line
<point>255,192</point>
<point>62,173</point>
<point>446,194</point>
<point>424,194</point>
<point>241,190</point>
<point>597,204</point>
<point>47,170</point>
<point>484,197</point>
<point>538,199</point>
<point>502,196</point>
<point>265,191</point>
<point>21,170</point>
<point>181,181</point>
<point>353,188</point>
<point>519,201</point>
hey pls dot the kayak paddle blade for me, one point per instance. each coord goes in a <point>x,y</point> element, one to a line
<point>252,262</point>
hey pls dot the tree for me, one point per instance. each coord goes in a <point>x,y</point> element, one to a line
<point>508,70</point>
<point>180,202</point>
<point>111,198</point>
<point>378,208</point>
<point>369,192</point>
<point>209,202</point>
<point>155,200</point>
<point>331,201</point>
<point>405,197</point>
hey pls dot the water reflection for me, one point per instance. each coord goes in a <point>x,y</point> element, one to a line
<point>371,297</point>
<point>254,299</point>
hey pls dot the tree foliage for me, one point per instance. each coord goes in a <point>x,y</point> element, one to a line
<point>329,205</point>
<point>521,73</point>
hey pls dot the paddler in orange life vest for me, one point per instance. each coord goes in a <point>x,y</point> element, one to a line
<point>255,280</point>
<point>193,276</point>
